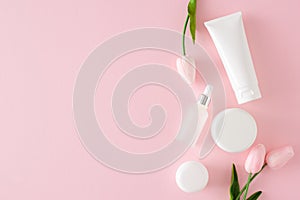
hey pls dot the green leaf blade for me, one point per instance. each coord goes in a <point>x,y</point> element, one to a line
<point>255,195</point>
<point>192,13</point>
<point>234,186</point>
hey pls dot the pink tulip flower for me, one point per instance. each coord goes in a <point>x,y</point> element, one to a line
<point>279,157</point>
<point>186,68</point>
<point>255,159</point>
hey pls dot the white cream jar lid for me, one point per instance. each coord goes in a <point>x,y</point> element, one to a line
<point>191,176</point>
<point>234,130</point>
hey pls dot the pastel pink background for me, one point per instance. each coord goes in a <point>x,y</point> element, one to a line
<point>43,44</point>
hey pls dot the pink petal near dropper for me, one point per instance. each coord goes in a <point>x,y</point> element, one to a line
<point>279,157</point>
<point>186,68</point>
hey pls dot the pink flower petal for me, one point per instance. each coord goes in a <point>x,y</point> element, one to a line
<point>255,159</point>
<point>186,68</point>
<point>279,157</point>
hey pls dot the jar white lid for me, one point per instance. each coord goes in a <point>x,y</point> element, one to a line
<point>234,130</point>
<point>191,176</point>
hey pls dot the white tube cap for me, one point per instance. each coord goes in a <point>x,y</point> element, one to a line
<point>192,176</point>
<point>246,94</point>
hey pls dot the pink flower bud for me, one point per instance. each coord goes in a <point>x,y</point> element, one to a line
<point>186,68</point>
<point>279,157</point>
<point>255,159</point>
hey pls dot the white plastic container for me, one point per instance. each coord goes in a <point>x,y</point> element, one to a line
<point>229,37</point>
<point>192,176</point>
<point>234,130</point>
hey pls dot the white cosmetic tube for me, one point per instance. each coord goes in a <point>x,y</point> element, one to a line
<point>230,39</point>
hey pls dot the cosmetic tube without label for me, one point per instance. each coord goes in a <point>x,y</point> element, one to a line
<point>229,37</point>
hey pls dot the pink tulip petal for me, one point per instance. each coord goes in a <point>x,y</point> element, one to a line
<point>279,157</point>
<point>186,68</point>
<point>255,159</point>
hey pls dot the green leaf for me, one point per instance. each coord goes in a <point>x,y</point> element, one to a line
<point>234,186</point>
<point>192,13</point>
<point>255,195</point>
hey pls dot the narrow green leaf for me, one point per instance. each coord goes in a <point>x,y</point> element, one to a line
<point>255,195</point>
<point>192,13</point>
<point>234,186</point>
<point>193,28</point>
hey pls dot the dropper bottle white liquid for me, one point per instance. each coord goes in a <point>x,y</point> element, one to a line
<point>203,104</point>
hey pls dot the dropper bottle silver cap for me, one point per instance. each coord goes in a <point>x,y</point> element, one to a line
<point>205,97</point>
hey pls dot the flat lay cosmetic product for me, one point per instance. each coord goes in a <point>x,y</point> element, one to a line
<point>192,176</point>
<point>229,37</point>
<point>234,130</point>
<point>203,104</point>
